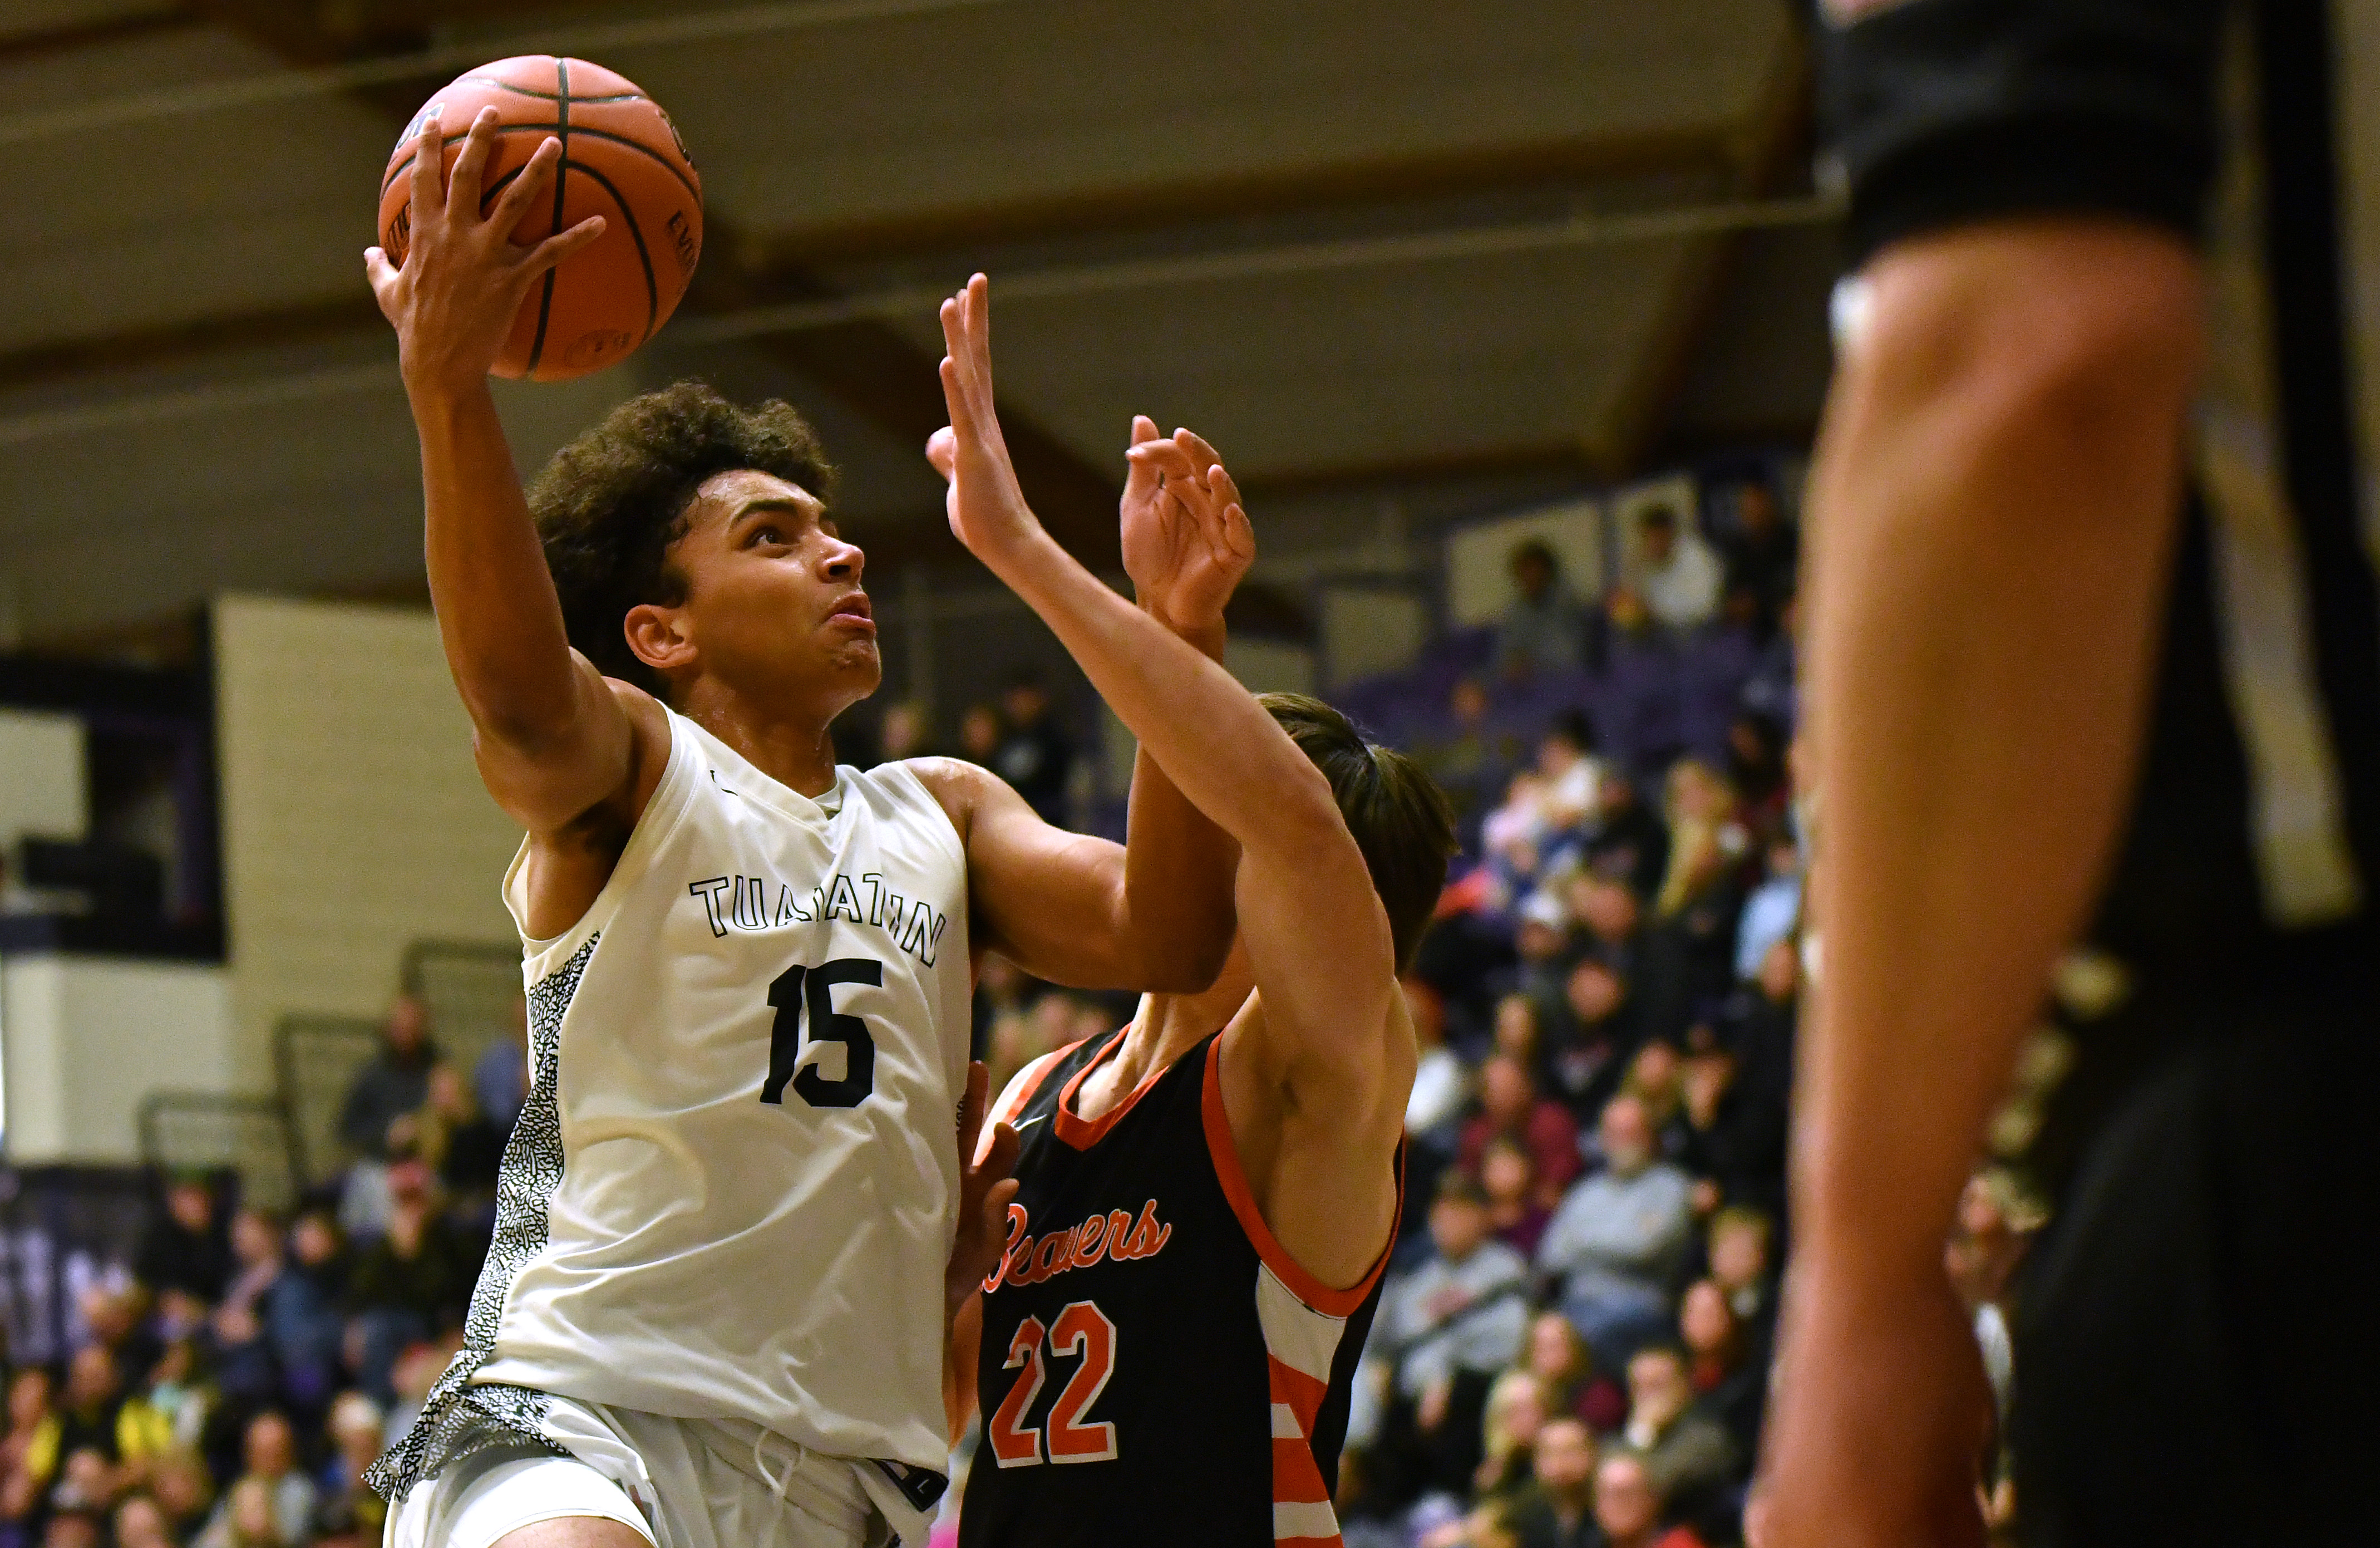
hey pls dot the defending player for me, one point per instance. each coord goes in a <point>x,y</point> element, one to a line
<point>1206,1197</point>
<point>714,1311</point>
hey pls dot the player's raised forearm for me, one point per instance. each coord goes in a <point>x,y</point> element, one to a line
<point>1994,501</point>
<point>1178,869</point>
<point>498,615</point>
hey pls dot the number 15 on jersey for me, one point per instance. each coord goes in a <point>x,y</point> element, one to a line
<point>802,990</point>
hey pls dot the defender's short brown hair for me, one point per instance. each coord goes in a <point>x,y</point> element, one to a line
<point>1399,817</point>
<point>611,503</point>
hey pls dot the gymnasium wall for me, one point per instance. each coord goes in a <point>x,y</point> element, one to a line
<point>87,1038</point>
<point>354,822</point>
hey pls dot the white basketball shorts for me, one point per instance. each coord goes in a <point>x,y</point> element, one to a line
<point>678,1483</point>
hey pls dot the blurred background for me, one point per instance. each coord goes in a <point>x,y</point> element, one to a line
<point>1510,318</point>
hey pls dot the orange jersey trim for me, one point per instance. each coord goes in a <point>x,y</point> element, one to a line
<point>1235,1178</point>
<point>1035,1073</point>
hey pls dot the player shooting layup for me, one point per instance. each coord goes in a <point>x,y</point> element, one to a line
<point>710,1316</point>
<point>1208,1197</point>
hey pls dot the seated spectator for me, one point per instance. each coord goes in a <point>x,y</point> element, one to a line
<point>183,1489</point>
<point>1580,1064</point>
<point>1558,1358</point>
<point>1558,1510</point>
<point>140,1523</point>
<point>1764,551</point>
<point>87,1484</point>
<point>1455,1323</point>
<point>1627,840</point>
<point>1441,1084</point>
<point>1516,1207</point>
<point>1544,626</point>
<point>1616,1241</point>
<point>248,1520</point>
<point>246,1369</point>
<point>1773,689</point>
<point>1729,1387</point>
<point>1687,1455</point>
<point>75,1526</point>
<point>1742,1149</point>
<point>1740,1265</point>
<point>979,734</point>
<point>463,1144</point>
<point>269,1451</point>
<point>1676,574</point>
<point>1542,944</point>
<point>1568,772</point>
<point>1652,1077</point>
<point>500,1078</point>
<point>168,1413</point>
<point>1508,1433</point>
<point>1515,1028</point>
<point>349,1508</point>
<point>303,1316</point>
<point>1610,916</point>
<point>1628,1506</point>
<point>1755,769</point>
<point>30,1455</point>
<point>1773,908</point>
<point>184,1248</point>
<point>1035,755</point>
<point>1510,1108</point>
<point>396,1083</point>
<point>414,1282</point>
<point>91,1405</point>
<point>1463,757</point>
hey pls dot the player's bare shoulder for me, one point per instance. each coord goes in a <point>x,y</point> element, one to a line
<point>958,787</point>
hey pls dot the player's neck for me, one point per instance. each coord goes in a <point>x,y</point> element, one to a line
<point>791,745</point>
<point>1167,1026</point>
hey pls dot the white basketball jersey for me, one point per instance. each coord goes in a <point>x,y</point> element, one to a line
<point>732,1193</point>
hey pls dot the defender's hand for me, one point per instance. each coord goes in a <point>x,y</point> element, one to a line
<point>463,281</point>
<point>986,508</point>
<point>1186,541</point>
<point>985,1188</point>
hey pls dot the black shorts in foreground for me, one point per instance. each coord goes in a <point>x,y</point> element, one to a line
<point>2196,1358</point>
<point>1939,112</point>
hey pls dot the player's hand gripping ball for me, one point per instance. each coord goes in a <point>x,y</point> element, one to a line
<point>621,159</point>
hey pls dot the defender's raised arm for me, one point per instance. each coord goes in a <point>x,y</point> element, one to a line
<point>1304,888</point>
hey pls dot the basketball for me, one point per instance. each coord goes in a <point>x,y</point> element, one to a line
<point>621,159</point>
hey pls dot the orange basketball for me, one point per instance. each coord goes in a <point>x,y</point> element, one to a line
<point>621,159</point>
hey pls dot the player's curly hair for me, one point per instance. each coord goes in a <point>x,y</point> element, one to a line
<point>612,502</point>
<point>1400,818</point>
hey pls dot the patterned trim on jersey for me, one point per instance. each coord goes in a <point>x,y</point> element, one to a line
<point>1304,1321</point>
<point>460,1419</point>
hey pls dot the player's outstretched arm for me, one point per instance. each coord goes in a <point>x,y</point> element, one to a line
<point>552,741</point>
<point>1156,912</point>
<point>1306,906</point>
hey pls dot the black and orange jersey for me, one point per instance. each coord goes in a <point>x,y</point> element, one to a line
<point>1154,1368</point>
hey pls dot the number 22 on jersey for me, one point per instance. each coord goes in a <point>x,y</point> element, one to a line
<point>1081,1330</point>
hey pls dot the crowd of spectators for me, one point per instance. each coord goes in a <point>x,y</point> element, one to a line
<point>231,1388</point>
<point>1573,1345</point>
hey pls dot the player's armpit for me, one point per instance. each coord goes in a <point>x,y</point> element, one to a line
<point>1060,906</point>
